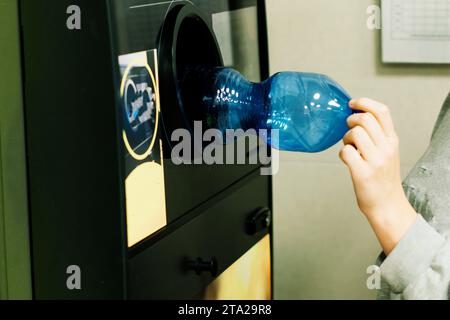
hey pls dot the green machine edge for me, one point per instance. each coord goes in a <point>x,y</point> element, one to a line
<point>15,270</point>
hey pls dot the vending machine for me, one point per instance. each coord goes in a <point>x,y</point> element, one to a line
<point>113,213</point>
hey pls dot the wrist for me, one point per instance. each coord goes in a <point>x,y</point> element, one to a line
<point>392,221</point>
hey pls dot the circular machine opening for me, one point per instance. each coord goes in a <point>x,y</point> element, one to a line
<point>196,50</point>
<point>188,43</point>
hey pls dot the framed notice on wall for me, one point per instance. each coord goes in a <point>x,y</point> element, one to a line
<point>416,31</point>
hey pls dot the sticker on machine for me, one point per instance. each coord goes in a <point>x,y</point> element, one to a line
<point>142,145</point>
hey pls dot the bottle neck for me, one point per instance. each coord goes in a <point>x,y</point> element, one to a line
<point>235,102</point>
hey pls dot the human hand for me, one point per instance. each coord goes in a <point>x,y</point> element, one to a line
<point>371,152</point>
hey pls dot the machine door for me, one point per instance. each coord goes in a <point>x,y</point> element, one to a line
<point>180,34</point>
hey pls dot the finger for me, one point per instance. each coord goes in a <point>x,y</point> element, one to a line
<point>379,110</point>
<point>359,138</point>
<point>352,159</point>
<point>369,123</point>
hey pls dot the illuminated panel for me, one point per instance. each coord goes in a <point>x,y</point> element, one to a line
<point>144,171</point>
<point>247,279</point>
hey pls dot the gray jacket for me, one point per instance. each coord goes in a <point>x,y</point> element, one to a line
<point>419,267</point>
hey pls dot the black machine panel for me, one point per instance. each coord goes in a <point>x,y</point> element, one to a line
<point>206,237</point>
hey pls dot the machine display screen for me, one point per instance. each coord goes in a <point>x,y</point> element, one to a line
<point>140,111</point>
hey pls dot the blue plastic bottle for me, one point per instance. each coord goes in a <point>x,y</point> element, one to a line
<point>309,110</point>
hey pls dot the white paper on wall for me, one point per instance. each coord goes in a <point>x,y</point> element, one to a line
<point>416,31</point>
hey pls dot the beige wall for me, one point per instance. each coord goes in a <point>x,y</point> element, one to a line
<point>322,243</point>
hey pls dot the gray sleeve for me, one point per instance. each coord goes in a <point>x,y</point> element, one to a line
<point>419,267</point>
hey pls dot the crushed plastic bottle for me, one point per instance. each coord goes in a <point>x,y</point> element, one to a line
<point>309,110</point>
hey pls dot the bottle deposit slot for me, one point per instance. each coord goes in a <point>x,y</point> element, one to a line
<point>186,42</point>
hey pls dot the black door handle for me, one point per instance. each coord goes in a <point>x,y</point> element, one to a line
<point>259,221</point>
<point>200,266</point>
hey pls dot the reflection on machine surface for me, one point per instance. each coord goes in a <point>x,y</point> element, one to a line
<point>249,278</point>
